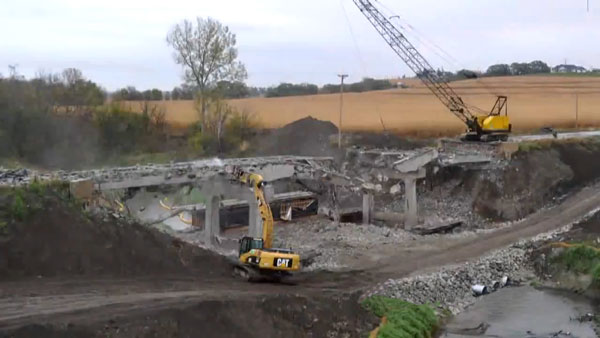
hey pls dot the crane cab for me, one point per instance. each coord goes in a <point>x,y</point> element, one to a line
<point>494,126</point>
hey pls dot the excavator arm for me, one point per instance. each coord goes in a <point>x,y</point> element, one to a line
<point>256,182</point>
<point>258,260</point>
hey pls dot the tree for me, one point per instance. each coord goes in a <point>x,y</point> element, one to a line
<point>538,67</point>
<point>233,90</point>
<point>498,70</point>
<point>207,51</point>
<point>156,95</point>
<point>79,92</point>
<point>517,68</point>
<point>71,76</point>
<point>290,89</point>
<point>467,74</point>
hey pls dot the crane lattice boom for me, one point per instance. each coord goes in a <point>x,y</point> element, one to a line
<point>411,56</point>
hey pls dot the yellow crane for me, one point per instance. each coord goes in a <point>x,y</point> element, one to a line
<point>257,259</point>
<point>482,126</point>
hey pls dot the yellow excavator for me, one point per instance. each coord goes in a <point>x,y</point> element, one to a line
<point>257,259</point>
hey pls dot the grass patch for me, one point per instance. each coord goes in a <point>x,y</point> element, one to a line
<point>534,145</point>
<point>18,207</point>
<point>404,319</point>
<point>3,227</point>
<point>535,284</point>
<point>36,187</point>
<point>590,143</point>
<point>583,259</point>
<point>17,204</point>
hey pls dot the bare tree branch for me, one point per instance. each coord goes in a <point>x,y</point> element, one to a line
<point>208,54</point>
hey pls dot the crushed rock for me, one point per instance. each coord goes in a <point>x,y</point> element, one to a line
<point>450,287</point>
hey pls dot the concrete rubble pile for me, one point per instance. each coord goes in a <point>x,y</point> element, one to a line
<point>14,176</point>
<point>181,172</point>
<point>333,242</point>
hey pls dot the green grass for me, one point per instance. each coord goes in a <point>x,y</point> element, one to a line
<point>590,143</point>
<point>18,208</point>
<point>10,163</point>
<point>583,259</point>
<point>21,202</point>
<point>404,319</point>
<point>535,284</point>
<point>3,227</point>
<point>36,187</point>
<point>534,145</point>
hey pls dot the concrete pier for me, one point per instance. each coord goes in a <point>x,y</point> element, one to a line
<point>410,197</point>
<point>212,224</point>
<point>368,207</point>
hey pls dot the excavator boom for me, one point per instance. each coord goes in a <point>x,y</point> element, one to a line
<point>258,260</point>
<point>256,182</point>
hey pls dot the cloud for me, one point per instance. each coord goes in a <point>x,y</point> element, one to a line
<point>119,43</point>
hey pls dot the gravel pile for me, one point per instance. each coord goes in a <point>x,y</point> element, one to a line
<point>450,287</point>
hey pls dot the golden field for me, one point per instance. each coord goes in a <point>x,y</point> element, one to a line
<point>534,102</point>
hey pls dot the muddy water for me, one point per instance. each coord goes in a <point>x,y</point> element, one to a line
<point>523,312</point>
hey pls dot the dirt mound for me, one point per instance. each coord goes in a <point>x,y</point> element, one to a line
<point>55,238</point>
<point>304,137</point>
<point>273,316</point>
<point>534,179</point>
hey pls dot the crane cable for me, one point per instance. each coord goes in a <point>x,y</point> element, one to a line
<point>432,46</point>
<point>356,48</point>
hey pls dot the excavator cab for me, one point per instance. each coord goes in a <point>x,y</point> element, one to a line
<point>250,243</point>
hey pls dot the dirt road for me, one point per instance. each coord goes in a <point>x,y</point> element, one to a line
<point>85,302</point>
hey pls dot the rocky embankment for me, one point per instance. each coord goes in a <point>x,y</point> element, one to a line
<point>450,287</point>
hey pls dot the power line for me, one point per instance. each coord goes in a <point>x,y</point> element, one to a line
<point>342,77</point>
<point>356,48</point>
<point>427,43</point>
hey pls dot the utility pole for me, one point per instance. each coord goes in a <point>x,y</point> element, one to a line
<point>342,77</point>
<point>576,110</point>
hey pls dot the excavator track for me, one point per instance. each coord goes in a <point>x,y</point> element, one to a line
<point>252,274</point>
<point>246,273</point>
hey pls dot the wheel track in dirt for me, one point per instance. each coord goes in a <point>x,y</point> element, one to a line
<point>94,301</point>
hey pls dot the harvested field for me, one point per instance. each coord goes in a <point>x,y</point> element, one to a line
<point>534,102</point>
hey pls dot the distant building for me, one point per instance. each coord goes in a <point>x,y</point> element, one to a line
<point>564,68</point>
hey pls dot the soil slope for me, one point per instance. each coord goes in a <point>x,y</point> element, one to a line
<point>56,239</point>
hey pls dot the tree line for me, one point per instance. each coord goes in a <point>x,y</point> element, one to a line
<point>238,89</point>
<point>228,89</point>
<point>61,120</point>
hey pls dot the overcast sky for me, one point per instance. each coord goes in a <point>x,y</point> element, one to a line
<point>120,43</point>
